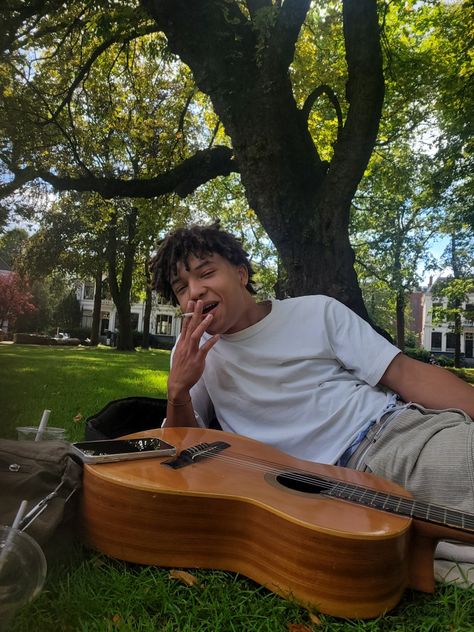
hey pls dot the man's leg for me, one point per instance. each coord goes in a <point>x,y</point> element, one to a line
<point>430,453</point>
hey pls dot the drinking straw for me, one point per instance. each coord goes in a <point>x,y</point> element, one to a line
<point>43,424</point>
<point>7,546</point>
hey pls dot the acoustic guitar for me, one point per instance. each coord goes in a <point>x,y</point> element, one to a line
<point>343,542</point>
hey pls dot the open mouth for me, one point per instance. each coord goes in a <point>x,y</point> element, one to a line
<point>208,308</point>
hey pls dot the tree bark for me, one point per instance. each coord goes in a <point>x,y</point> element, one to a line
<point>400,315</point>
<point>121,291</point>
<point>302,202</point>
<point>147,313</point>
<point>97,308</point>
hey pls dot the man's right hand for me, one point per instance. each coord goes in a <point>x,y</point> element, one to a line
<point>189,360</point>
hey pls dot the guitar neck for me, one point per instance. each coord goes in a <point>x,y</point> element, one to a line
<point>399,505</point>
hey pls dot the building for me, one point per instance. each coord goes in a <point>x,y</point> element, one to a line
<point>439,337</point>
<point>5,270</point>
<point>165,321</point>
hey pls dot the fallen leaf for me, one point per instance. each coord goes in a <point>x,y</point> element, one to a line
<point>298,627</point>
<point>315,619</point>
<point>78,417</point>
<point>116,619</point>
<point>184,577</point>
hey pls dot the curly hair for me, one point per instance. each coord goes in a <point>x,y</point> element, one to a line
<point>199,241</point>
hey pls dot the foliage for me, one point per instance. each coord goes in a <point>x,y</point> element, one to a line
<point>11,245</point>
<point>67,313</point>
<point>418,354</point>
<point>15,299</point>
<point>47,294</point>
<point>456,291</point>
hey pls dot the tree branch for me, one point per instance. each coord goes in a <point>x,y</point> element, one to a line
<point>84,71</point>
<point>183,179</point>
<point>288,25</point>
<point>311,98</point>
<point>365,93</point>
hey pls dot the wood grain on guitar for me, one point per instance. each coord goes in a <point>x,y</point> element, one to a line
<point>330,538</point>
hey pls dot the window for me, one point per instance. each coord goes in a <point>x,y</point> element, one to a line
<point>436,341</point>
<point>469,315</point>
<point>106,295</point>
<point>88,291</point>
<point>450,342</point>
<point>134,320</point>
<point>86,318</point>
<point>163,324</point>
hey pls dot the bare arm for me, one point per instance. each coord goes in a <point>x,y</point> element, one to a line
<point>428,385</point>
<point>188,365</point>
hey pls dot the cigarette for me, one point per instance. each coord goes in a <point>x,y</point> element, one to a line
<point>187,314</point>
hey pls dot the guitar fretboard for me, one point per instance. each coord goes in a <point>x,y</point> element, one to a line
<point>401,506</point>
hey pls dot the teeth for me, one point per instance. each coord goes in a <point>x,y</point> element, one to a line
<point>209,307</point>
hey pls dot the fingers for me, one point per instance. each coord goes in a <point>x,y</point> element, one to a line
<point>194,326</point>
<point>207,346</point>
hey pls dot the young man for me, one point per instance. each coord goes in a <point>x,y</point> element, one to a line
<point>308,376</point>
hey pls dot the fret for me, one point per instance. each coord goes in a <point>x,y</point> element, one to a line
<point>400,505</point>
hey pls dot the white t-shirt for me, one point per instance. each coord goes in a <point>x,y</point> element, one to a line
<point>303,379</point>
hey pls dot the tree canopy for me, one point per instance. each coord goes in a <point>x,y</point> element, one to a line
<point>142,99</point>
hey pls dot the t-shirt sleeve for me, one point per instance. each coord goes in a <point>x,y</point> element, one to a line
<point>357,346</point>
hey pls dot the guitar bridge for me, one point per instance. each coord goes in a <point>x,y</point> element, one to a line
<point>196,453</point>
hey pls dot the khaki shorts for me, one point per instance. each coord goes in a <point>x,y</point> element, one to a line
<point>429,452</point>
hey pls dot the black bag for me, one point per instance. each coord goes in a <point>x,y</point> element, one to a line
<point>126,416</point>
<point>44,473</point>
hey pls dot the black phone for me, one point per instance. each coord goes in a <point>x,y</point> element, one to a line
<point>109,450</point>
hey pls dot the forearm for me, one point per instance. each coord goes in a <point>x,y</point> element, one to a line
<point>430,386</point>
<point>179,410</point>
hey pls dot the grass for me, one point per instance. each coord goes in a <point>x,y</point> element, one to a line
<point>72,382</point>
<point>87,592</point>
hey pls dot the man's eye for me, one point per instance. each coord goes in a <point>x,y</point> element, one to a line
<point>180,289</point>
<point>207,273</point>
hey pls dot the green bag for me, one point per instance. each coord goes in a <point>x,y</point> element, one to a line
<point>47,475</point>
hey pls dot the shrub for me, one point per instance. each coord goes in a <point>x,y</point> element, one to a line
<point>418,354</point>
<point>157,341</point>
<point>80,332</point>
<point>445,360</point>
<point>33,339</point>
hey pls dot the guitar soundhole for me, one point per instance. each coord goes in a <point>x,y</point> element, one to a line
<point>298,483</point>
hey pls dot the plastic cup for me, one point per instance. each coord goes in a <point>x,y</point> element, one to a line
<point>28,433</point>
<point>22,572</point>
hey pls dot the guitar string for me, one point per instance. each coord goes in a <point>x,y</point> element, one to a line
<point>396,503</point>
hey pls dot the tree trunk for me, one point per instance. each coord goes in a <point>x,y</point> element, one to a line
<point>457,335</point>
<point>302,202</point>
<point>400,312</point>
<point>121,292</point>
<point>97,308</point>
<point>147,314</point>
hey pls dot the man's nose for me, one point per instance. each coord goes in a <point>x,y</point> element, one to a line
<point>196,289</point>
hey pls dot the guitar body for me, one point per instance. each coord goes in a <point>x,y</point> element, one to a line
<point>342,559</point>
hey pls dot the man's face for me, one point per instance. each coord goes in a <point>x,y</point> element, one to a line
<point>220,286</point>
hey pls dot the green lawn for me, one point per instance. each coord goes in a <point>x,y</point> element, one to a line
<point>72,382</point>
<point>89,593</point>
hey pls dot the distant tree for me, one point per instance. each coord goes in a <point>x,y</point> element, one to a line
<point>67,313</point>
<point>459,257</point>
<point>11,245</point>
<point>15,300</point>
<point>394,219</point>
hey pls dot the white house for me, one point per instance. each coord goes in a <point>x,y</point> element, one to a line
<point>6,271</point>
<point>439,337</point>
<point>164,320</point>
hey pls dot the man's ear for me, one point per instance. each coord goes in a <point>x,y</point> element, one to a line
<point>243,274</point>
